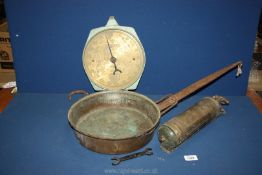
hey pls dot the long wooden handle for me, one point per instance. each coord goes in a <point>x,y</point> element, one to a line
<point>167,103</point>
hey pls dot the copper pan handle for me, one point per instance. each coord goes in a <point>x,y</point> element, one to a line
<point>168,102</point>
<point>69,97</point>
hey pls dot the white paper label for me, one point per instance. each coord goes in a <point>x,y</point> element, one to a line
<point>9,84</point>
<point>190,157</point>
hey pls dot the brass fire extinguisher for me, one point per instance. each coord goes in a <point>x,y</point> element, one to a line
<point>175,131</point>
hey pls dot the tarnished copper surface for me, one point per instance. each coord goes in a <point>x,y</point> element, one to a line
<point>114,122</point>
<point>175,131</point>
<point>114,146</point>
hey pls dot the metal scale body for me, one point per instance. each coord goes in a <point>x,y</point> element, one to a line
<point>113,57</point>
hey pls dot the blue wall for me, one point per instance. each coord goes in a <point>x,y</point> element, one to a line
<point>183,41</point>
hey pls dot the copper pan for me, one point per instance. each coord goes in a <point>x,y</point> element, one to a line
<point>116,122</point>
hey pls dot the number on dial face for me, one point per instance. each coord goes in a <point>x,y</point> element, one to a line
<point>113,59</point>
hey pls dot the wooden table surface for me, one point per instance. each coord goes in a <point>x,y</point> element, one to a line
<point>5,98</point>
<point>255,98</point>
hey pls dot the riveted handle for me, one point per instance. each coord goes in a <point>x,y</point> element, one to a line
<point>76,92</point>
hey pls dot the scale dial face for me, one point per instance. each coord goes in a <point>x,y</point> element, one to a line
<point>113,59</point>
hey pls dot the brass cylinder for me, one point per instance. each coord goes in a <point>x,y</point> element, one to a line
<point>175,131</point>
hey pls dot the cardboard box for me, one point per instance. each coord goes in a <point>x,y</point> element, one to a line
<point>6,77</point>
<point>6,56</point>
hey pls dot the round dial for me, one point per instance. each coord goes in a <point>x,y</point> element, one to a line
<point>113,59</point>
